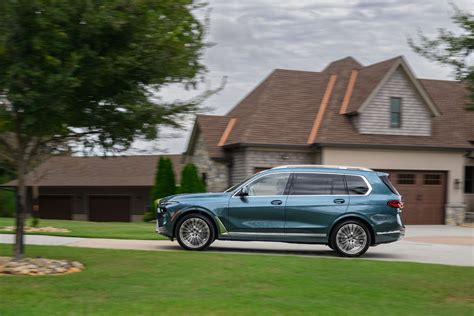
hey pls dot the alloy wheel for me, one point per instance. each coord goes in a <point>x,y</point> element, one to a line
<point>194,232</point>
<point>351,238</point>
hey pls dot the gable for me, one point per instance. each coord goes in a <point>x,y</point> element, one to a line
<point>415,113</point>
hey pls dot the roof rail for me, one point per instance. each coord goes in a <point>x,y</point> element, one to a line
<point>324,166</point>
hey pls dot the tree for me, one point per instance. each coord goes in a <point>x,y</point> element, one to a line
<point>165,183</point>
<point>190,180</point>
<point>86,74</point>
<point>453,49</point>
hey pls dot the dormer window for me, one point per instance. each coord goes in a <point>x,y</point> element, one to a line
<point>395,112</point>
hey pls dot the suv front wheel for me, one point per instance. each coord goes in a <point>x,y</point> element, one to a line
<point>350,238</point>
<point>195,232</point>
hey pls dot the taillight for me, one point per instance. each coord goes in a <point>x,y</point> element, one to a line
<point>395,203</point>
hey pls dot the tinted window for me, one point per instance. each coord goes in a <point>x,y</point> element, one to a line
<point>356,185</point>
<point>318,184</point>
<point>272,184</point>
<point>386,180</point>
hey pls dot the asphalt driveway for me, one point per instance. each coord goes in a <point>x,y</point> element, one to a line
<point>425,244</point>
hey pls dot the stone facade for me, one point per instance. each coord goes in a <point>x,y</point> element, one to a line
<point>455,214</point>
<point>245,162</point>
<point>216,173</point>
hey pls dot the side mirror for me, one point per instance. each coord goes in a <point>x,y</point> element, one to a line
<point>244,191</point>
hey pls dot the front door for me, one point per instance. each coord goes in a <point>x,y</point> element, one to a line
<point>315,200</point>
<point>260,214</point>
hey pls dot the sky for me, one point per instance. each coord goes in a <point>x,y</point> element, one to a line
<point>253,37</point>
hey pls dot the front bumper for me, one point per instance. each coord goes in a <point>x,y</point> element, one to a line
<point>161,224</point>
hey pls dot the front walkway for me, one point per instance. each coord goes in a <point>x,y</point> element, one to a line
<point>426,244</point>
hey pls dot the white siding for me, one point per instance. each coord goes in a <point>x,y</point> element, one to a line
<point>416,117</point>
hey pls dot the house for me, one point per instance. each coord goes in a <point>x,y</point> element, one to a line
<point>95,188</point>
<point>378,116</point>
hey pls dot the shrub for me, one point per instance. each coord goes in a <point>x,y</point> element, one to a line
<point>165,185</point>
<point>190,180</point>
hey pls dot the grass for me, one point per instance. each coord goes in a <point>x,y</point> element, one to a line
<point>124,282</point>
<point>132,230</point>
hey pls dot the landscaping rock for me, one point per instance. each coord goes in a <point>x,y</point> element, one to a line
<point>38,266</point>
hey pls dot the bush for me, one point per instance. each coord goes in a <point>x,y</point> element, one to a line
<point>190,180</point>
<point>165,185</point>
<point>7,203</point>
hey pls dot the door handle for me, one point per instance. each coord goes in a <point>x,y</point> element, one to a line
<point>339,201</point>
<point>277,202</point>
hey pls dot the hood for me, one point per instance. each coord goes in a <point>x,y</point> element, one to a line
<point>183,196</point>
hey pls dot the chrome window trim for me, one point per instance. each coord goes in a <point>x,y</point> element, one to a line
<point>317,172</point>
<point>253,179</point>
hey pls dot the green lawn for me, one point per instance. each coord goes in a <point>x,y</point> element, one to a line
<point>133,230</point>
<point>124,282</point>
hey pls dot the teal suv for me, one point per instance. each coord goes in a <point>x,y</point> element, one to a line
<point>347,208</point>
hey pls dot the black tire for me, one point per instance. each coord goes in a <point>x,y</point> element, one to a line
<point>181,232</point>
<point>355,252</point>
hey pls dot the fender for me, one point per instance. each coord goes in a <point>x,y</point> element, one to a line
<point>347,215</point>
<point>216,221</point>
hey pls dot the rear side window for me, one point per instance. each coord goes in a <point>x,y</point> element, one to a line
<point>386,180</point>
<point>318,184</point>
<point>356,185</point>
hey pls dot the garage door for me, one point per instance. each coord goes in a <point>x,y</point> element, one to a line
<point>55,206</point>
<point>109,208</point>
<point>424,194</point>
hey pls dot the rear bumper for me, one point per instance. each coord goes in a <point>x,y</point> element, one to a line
<point>389,236</point>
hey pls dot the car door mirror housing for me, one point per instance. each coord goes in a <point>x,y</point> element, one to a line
<point>244,191</point>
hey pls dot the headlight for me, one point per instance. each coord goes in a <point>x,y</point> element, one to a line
<point>169,203</point>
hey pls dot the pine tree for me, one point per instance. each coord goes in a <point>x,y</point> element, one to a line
<point>190,180</point>
<point>165,185</point>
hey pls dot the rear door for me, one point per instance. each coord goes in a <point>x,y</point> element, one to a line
<point>315,200</point>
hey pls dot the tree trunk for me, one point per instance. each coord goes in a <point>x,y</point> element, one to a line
<point>19,247</point>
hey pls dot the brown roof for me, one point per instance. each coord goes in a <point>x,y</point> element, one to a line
<point>98,171</point>
<point>212,127</point>
<point>276,107</point>
<point>282,109</point>
<point>367,80</point>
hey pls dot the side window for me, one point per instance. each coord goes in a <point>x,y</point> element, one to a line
<point>318,184</point>
<point>356,185</point>
<point>272,184</point>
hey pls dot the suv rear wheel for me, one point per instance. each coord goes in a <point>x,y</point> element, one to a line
<point>195,232</point>
<point>350,238</point>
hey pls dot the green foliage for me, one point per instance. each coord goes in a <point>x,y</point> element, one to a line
<point>165,185</point>
<point>190,180</point>
<point>87,74</point>
<point>91,70</point>
<point>7,197</point>
<point>34,221</point>
<point>7,203</point>
<point>453,49</point>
